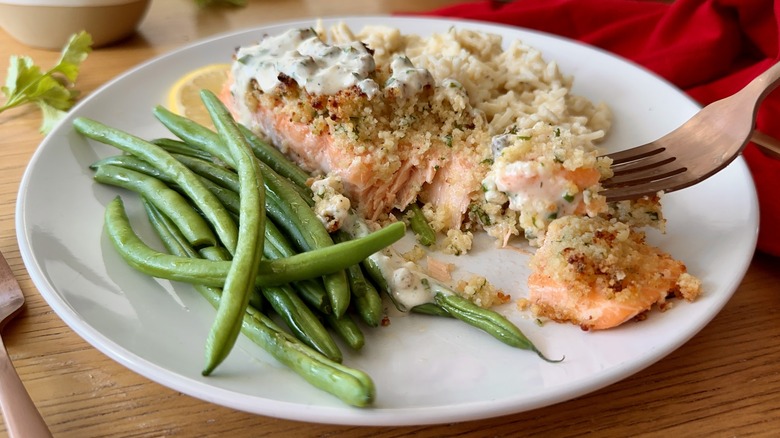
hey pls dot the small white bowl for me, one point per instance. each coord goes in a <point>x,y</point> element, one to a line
<point>48,24</point>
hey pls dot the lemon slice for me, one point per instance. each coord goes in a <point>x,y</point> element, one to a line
<point>184,95</point>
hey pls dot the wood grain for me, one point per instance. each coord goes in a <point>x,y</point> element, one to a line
<point>724,382</point>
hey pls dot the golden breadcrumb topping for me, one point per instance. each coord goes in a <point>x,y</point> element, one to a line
<point>589,266</point>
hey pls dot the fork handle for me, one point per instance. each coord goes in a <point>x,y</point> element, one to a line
<point>769,145</point>
<point>760,87</point>
<point>21,416</point>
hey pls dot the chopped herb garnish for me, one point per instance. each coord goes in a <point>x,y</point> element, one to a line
<point>481,215</point>
<point>568,197</point>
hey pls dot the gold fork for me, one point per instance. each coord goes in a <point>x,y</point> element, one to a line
<point>21,417</point>
<point>698,149</point>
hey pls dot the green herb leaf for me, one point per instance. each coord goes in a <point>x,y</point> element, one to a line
<point>52,90</point>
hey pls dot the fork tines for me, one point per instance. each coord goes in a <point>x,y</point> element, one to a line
<point>641,171</point>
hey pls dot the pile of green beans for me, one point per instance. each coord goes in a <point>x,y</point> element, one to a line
<point>208,205</point>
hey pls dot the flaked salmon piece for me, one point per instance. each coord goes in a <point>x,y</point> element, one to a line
<point>439,270</point>
<point>454,188</point>
<point>538,176</point>
<point>599,274</point>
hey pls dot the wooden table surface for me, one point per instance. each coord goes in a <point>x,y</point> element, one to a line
<point>724,382</point>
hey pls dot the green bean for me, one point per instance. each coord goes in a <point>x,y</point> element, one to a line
<point>430,309</point>
<point>194,134</point>
<point>310,264</point>
<point>313,293</point>
<point>487,320</point>
<point>374,271</point>
<point>133,163</point>
<point>301,321</point>
<point>287,206</point>
<point>180,147</point>
<point>214,253</point>
<point>239,281</point>
<point>348,330</point>
<point>174,205</point>
<point>368,302</point>
<point>366,298</point>
<point>170,234</point>
<point>352,386</point>
<point>206,202</point>
<point>278,161</point>
<point>229,199</point>
<point>277,239</point>
<point>421,228</point>
<point>207,169</point>
<point>359,228</point>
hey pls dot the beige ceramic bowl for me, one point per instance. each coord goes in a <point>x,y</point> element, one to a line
<point>49,23</point>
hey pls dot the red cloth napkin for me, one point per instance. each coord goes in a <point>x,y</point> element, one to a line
<point>709,48</point>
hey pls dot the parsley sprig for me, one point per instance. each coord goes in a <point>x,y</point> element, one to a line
<point>53,90</point>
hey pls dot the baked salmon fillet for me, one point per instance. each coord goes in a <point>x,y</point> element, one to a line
<point>599,274</point>
<point>324,107</point>
<point>392,133</point>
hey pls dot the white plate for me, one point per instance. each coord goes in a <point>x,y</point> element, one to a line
<point>426,369</point>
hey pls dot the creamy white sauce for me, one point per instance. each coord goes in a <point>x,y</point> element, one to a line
<point>330,205</point>
<point>407,285</point>
<point>320,68</point>
<point>408,79</point>
<point>317,67</point>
